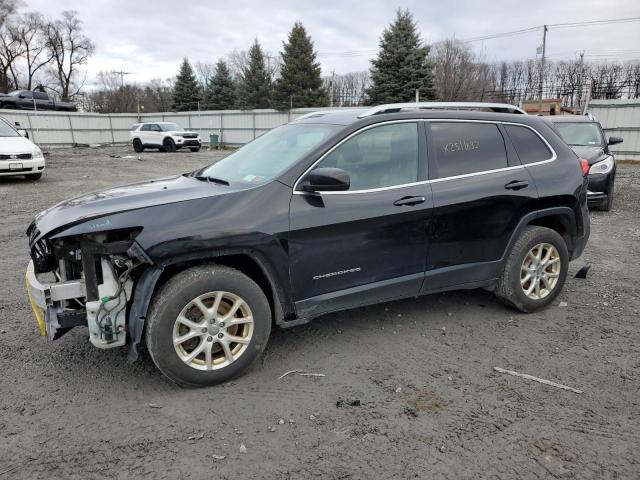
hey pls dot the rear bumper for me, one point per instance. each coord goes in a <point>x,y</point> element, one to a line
<point>580,242</point>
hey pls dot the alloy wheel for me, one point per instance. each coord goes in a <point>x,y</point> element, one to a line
<point>213,330</point>
<point>540,271</point>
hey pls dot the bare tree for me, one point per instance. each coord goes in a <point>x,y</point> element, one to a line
<point>11,49</point>
<point>458,73</point>
<point>69,49</point>
<point>349,89</point>
<point>8,8</point>
<point>31,32</point>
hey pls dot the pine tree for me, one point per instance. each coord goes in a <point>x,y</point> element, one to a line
<point>186,92</point>
<point>300,83</point>
<point>220,92</point>
<point>254,89</point>
<point>402,66</point>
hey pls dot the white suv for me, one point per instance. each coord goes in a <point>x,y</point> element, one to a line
<point>165,136</point>
<point>18,154</point>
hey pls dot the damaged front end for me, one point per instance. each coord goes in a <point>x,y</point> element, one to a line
<point>84,280</point>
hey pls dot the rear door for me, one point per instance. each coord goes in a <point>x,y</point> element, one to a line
<point>155,134</point>
<point>369,243</point>
<point>43,101</point>
<point>480,192</point>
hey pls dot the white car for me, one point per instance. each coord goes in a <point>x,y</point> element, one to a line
<point>165,136</point>
<point>18,154</point>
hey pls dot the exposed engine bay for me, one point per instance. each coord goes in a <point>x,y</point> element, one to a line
<point>85,280</point>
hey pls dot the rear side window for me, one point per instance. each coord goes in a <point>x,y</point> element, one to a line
<point>463,148</point>
<point>40,96</point>
<point>528,144</point>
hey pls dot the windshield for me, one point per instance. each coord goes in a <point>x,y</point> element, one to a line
<point>580,134</point>
<point>6,130</point>
<point>272,153</point>
<point>170,127</point>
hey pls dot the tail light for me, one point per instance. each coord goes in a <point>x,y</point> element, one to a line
<point>585,166</point>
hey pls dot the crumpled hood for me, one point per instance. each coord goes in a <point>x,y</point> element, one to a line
<point>590,154</point>
<point>121,199</point>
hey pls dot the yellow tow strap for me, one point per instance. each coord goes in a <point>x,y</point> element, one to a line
<point>36,310</point>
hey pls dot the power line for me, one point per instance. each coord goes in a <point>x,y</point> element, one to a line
<point>522,31</point>
<point>552,25</point>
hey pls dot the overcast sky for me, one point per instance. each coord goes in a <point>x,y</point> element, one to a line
<point>149,37</point>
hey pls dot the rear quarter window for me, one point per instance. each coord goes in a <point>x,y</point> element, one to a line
<point>528,144</point>
<point>463,148</point>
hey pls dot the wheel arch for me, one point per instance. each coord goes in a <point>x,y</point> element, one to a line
<point>248,262</point>
<point>560,219</point>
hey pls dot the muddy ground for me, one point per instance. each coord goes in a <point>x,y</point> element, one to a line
<point>409,389</point>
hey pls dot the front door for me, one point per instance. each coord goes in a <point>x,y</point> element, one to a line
<point>369,243</point>
<point>480,192</point>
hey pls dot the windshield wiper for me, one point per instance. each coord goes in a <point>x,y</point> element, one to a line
<point>206,178</point>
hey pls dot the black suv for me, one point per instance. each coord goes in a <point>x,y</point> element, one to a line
<point>585,136</point>
<point>332,211</point>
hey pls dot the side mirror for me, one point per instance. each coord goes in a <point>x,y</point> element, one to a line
<point>615,140</point>
<point>21,95</point>
<point>23,132</point>
<point>326,180</point>
<point>17,124</point>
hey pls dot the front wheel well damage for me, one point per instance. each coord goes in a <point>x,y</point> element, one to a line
<point>242,262</point>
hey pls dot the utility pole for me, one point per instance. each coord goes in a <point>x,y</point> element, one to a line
<point>417,95</point>
<point>333,80</point>
<point>578,99</point>
<point>544,51</point>
<point>122,74</point>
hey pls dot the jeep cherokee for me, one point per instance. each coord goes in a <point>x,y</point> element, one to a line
<point>334,210</point>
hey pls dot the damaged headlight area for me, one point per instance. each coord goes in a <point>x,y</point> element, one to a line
<point>85,280</point>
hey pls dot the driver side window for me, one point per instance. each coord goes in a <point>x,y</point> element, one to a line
<point>378,157</point>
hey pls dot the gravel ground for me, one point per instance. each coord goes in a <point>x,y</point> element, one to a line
<point>409,391</point>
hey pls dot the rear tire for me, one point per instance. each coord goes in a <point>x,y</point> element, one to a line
<point>34,176</point>
<point>530,284</point>
<point>137,145</point>
<point>169,145</point>
<point>176,317</point>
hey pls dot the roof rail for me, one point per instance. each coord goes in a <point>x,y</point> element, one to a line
<point>397,107</point>
<point>320,113</point>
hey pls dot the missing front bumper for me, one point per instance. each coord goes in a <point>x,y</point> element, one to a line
<point>45,300</point>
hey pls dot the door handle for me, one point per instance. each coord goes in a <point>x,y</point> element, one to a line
<point>409,201</point>
<point>517,185</point>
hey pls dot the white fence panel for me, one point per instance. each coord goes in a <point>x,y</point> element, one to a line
<point>620,118</point>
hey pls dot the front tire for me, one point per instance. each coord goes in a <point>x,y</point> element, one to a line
<point>137,145</point>
<point>206,325</point>
<point>194,149</point>
<point>535,270</point>
<point>169,145</point>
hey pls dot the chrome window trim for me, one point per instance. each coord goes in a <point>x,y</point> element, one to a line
<point>331,150</point>
<point>554,156</point>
